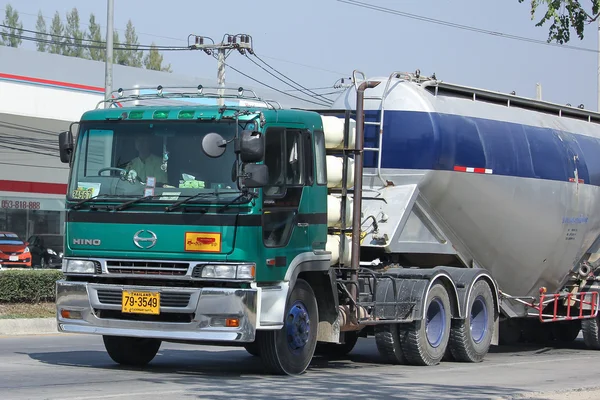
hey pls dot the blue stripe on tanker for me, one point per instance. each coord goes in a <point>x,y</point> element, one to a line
<point>422,140</point>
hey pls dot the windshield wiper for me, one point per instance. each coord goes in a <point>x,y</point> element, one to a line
<point>80,203</point>
<point>246,196</point>
<point>134,201</point>
<point>177,204</point>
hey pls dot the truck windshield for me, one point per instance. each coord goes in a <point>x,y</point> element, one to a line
<point>163,159</point>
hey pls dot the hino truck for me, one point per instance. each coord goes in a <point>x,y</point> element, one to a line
<point>438,218</point>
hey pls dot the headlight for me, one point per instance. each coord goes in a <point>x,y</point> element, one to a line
<point>60,254</point>
<point>245,271</point>
<point>78,266</point>
<point>26,250</point>
<point>50,251</point>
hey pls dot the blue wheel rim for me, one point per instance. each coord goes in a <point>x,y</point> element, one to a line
<point>297,325</point>
<point>435,322</point>
<point>478,319</point>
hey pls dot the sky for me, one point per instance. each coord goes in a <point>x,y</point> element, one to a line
<point>316,42</point>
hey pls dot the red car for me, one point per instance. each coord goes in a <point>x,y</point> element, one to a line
<point>13,251</point>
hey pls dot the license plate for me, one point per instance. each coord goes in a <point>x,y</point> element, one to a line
<point>135,302</point>
<point>13,258</point>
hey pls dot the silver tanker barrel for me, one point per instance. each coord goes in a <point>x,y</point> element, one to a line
<point>457,176</point>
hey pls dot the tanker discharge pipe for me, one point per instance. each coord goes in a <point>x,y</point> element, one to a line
<point>358,175</point>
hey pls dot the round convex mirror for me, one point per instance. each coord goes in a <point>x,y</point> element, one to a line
<point>213,145</point>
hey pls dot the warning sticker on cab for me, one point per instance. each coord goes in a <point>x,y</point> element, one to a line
<point>203,242</point>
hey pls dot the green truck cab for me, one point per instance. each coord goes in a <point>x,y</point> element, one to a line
<point>198,224</point>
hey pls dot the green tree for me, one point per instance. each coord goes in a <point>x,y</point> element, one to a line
<point>565,15</point>
<point>134,56</point>
<point>95,33</point>
<point>154,60</point>
<point>11,35</point>
<point>74,36</point>
<point>56,31</point>
<point>41,35</point>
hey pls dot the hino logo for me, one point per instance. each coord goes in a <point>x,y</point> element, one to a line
<point>144,239</point>
<point>87,242</point>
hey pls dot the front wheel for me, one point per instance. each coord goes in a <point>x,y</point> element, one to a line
<point>130,350</point>
<point>591,332</point>
<point>291,349</point>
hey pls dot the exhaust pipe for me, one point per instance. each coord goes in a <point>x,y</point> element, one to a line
<point>358,175</point>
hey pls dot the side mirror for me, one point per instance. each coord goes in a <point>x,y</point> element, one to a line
<point>251,147</point>
<point>65,146</point>
<point>255,175</point>
<point>213,145</point>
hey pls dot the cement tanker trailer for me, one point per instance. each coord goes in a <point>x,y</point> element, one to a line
<point>462,177</point>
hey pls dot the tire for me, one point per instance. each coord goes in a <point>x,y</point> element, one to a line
<point>591,336</point>
<point>335,350</point>
<point>291,349</point>
<point>387,339</point>
<point>252,348</point>
<point>471,337</point>
<point>131,351</point>
<point>421,348</point>
<point>566,332</point>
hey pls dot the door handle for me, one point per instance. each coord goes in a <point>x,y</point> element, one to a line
<point>302,224</point>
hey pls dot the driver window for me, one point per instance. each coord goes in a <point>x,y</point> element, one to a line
<point>284,155</point>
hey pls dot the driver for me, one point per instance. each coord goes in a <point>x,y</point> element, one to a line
<point>147,164</point>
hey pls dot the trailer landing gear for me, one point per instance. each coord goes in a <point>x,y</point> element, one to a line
<point>290,349</point>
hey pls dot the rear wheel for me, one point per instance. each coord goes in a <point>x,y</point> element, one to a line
<point>131,351</point>
<point>338,349</point>
<point>590,329</point>
<point>424,342</point>
<point>470,338</point>
<point>291,349</point>
<point>387,339</point>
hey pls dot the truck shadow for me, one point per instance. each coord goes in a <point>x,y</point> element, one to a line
<point>240,375</point>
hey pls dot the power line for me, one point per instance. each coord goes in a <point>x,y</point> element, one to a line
<point>32,165</point>
<point>316,95</point>
<point>459,26</point>
<point>275,89</point>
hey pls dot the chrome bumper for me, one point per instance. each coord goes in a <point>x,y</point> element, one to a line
<point>206,308</point>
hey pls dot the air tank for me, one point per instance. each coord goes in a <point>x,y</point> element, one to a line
<point>501,182</point>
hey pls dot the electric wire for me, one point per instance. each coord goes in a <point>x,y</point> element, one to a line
<point>316,95</point>
<point>460,26</point>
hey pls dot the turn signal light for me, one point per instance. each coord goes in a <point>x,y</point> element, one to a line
<point>69,314</point>
<point>232,323</point>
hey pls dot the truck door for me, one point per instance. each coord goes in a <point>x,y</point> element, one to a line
<point>284,225</point>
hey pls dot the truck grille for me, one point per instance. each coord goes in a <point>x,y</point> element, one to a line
<point>172,299</point>
<point>147,268</point>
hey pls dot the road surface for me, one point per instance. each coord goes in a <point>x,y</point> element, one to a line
<point>77,367</point>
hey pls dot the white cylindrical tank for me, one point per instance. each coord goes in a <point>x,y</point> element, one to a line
<point>334,211</point>
<point>335,166</point>
<point>333,245</point>
<point>333,129</point>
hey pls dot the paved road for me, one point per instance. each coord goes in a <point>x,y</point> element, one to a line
<point>76,367</point>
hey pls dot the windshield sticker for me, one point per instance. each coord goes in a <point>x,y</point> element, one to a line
<point>170,196</point>
<point>148,192</point>
<point>203,242</point>
<point>151,181</point>
<point>86,190</point>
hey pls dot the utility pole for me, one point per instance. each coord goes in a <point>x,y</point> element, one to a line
<point>240,42</point>
<point>109,50</point>
<point>598,105</point>
<point>538,87</point>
